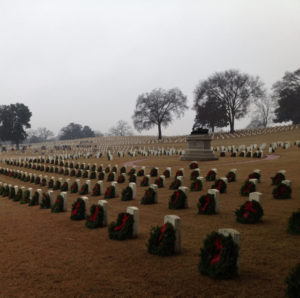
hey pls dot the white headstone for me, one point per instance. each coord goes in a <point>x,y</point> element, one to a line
<point>287,182</point>
<point>86,203</point>
<point>64,195</point>
<point>104,204</point>
<point>135,212</point>
<point>256,196</point>
<point>175,221</point>
<point>186,191</point>
<point>132,185</point>
<point>216,194</point>
<point>115,185</point>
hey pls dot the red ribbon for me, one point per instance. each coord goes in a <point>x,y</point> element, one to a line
<point>93,217</point>
<point>207,201</point>
<point>75,210</point>
<point>162,232</point>
<point>217,256</point>
<point>124,220</point>
<point>176,196</point>
<point>248,208</point>
<point>219,185</point>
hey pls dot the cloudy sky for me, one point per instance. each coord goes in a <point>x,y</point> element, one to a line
<point>86,61</point>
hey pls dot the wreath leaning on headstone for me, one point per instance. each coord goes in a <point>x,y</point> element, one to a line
<point>218,257</point>
<point>123,228</point>
<point>177,200</point>
<point>207,204</point>
<point>84,189</point>
<point>159,182</point>
<point>149,197</point>
<point>231,176</point>
<point>282,191</point>
<point>277,179</point>
<point>166,173</point>
<point>78,210</point>
<point>34,200</point>
<point>175,184</point>
<point>249,213</point>
<point>255,175</point>
<point>196,185</point>
<point>247,187</point>
<point>211,176</point>
<point>127,194</point>
<point>58,204</point>
<point>96,190</point>
<point>194,175</point>
<point>162,240</point>
<point>220,185</point>
<point>110,192</point>
<point>18,195</point>
<point>45,201</point>
<point>145,181</point>
<point>95,220</point>
<point>193,165</point>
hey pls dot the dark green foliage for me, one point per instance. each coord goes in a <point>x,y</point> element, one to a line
<point>196,185</point>
<point>149,197</point>
<point>220,185</point>
<point>211,176</point>
<point>123,228</point>
<point>162,240</point>
<point>126,194</point>
<point>293,283</point>
<point>96,217</point>
<point>277,179</point>
<point>294,223</point>
<point>282,191</point>
<point>84,189</point>
<point>226,266</point>
<point>110,192</point>
<point>34,200</point>
<point>207,204</point>
<point>45,203</point>
<point>175,184</point>
<point>58,205</point>
<point>249,213</point>
<point>231,177</point>
<point>177,200</point>
<point>78,210</point>
<point>247,188</point>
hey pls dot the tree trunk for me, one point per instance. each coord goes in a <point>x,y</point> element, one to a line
<point>231,123</point>
<point>159,131</point>
<point>17,145</point>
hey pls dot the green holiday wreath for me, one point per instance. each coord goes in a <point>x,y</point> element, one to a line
<point>218,257</point>
<point>149,197</point>
<point>249,213</point>
<point>175,184</point>
<point>196,185</point>
<point>84,189</point>
<point>207,204</point>
<point>96,190</point>
<point>211,176</point>
<point>294,223</point>
<point>247,187</point>
<point>123,228</point>
<point>293,282</point>
<point>220,185</point>
<point>58,204</point>
<point>145,181</point>
<point>277,179</point>
<point>78,210</point>
<point>162,240</point>
<point>34,200</point>
<point>231,177</point>
<point>110,192</point>
<point>159,182</point>
<point>177,200</point>
<point>282,191</point>
<point>127,194</point>
<point>45,201</point>
<point>96,217</point>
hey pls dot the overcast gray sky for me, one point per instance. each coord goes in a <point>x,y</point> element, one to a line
<point>87,61</point>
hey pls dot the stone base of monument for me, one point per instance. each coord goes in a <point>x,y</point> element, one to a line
<point>198,148</point>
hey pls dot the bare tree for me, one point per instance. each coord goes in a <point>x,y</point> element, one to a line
<point>122,128</point>
<point>158,108</point>
<point>264,112</point>
<point>44,133</point>
<point>233,90</point>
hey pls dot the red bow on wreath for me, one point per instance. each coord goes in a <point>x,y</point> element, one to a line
<point>75,210</point>
<point>207,201</point>
<point>219,185</point>
<point>217,256</point>
<point>162,232</point>
<point>93,217</point>
<point>124,220</point>
<point>248,208</point>
<point>176,197</point>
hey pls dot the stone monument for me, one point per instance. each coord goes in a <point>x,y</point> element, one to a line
<point>198,146</point>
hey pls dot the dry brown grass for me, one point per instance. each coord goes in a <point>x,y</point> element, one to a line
<point>46,254</point>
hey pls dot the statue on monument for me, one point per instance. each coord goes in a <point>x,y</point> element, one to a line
<point>198,129</point>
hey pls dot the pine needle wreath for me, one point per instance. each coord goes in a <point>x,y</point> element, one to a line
<point>110,192</point>
<point>294,223</point>
<point>65,187</point>
<point>175,184</point>
<point>78,174</point>
<point>34,200</point>
<point>145,181</point>
<point>101,176</point>
<point>1,190</point>
<point>121,179</point>
<point>58,205</point>
<point>249,213</point>
<point>6,191</point>
<point>194,175</point>
<point>196,185</point>
<point>45,201</point>
<point>43,182</point>
<point>177,200</point>
<point>153,172</point>
<point>11,193</point>
<point>218,257</point>
<point>107,170</point>
<point>193,166</point>
<point>132,178</point>
<point>162,240</point>
<point>220,185</point>
<point>95,220</point>
<point>231,177</point>
<point>74,187</point>
<point>37,180</point>
<point>123,170</point>
<point>255,175</point>
<point>85,174</point>
<point>51,183</point>
<point>123,228</point>
<point>207,204</point>
<point>247,187</point>
<point>93,175</point>
<point>211,176</point>
<point>57,185</point>
<point>78,210</point>
<point>167,173</point>
<point>96,190</point>
<point>179,173</point>
<point>72,173</point>
<point>222,154</point>
<point>282,191</point>
<point>110,177</point>
<point>26,197</point>
<point>277,179</point>
<point>84,189</point>
<point>159,182</point>
<point>293,282</point>
<point>18,195</point>
<point>131,172</point>
<point>141,173</point>
<point>149,197</point>
<point>127,194</point>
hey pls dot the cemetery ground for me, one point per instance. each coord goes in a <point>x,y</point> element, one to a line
<point>47,254</point>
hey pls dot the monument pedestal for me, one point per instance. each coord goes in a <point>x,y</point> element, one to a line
<point>198,148</point>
